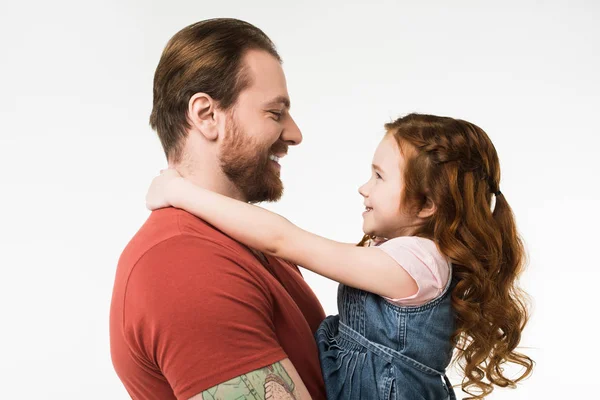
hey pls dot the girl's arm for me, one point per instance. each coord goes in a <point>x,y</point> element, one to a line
<point>366,268</point>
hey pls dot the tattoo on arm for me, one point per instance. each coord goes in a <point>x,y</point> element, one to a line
<point>268,383</point>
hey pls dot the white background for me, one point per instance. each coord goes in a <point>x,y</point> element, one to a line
<point>77,155</point>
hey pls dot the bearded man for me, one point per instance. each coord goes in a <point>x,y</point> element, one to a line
<point>195,314</point>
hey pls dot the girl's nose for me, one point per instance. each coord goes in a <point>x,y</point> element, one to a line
<point>362,190</point>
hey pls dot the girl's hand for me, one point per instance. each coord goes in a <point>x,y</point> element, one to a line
<point>162,189</point>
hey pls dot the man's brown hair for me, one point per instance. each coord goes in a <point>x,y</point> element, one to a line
<point>204,57</point>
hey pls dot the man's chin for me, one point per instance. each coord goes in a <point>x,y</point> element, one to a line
<point>271,192</point>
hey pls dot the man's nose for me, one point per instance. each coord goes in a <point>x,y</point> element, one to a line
<point>291,133</point>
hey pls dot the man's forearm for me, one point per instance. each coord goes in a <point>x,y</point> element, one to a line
<point>269,383</point>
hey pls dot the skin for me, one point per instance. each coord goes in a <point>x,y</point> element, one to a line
<point>382,195</point>
<point>273,382</point>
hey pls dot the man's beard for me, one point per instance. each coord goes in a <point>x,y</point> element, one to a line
<point>248,167</point>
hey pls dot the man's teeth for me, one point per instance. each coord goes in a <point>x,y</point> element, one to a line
<point>274,158</point>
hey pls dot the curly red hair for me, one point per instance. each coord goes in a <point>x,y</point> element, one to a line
<point>454,164</point>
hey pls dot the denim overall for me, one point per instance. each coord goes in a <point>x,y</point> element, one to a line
<point>376,350</point>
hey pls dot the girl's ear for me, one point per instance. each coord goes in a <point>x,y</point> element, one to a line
<point>428,209</point>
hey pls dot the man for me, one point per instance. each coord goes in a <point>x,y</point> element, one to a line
<point>194,313</point>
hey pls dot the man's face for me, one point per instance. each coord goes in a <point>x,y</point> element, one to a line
<point>259,129</point>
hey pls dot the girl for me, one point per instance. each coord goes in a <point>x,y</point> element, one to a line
<point>435,271</point>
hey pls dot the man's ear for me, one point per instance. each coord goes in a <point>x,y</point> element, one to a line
<point>428,209</point>
<point>202,111</point>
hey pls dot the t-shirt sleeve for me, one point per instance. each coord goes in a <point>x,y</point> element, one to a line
<point>199,317</point>
<point>423,262</point>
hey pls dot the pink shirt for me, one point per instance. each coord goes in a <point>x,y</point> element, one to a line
<point>423,261</point>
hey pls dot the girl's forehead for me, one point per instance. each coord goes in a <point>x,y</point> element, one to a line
<point>387,153</point>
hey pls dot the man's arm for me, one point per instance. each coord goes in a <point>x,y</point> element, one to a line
<point>278,381</point>
<point>200,314</point>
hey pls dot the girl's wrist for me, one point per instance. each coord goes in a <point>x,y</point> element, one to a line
<point>175,192</point>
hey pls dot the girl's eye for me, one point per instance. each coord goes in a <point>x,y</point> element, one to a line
<point>377,175</point>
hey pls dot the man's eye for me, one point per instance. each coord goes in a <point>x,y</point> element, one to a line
<point>276,114</point>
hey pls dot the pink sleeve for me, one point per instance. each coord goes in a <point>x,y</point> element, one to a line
<point>422,260</point>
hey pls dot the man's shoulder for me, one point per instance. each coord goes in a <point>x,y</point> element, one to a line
<point>173,239</point>
<point>172,249</point>
<point>168,229</point>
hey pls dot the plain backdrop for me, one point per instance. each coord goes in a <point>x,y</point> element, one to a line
<point>77,155</point>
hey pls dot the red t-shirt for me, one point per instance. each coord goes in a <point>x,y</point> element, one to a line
<point>192,308</point>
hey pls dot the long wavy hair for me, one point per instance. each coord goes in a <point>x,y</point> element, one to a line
<point>454,164</point>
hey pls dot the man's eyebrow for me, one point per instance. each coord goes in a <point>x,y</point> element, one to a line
<point>280,100</point>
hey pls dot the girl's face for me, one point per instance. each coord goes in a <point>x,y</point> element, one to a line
<point>383,194</point>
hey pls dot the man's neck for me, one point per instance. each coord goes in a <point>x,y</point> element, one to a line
<point>215,181</point>
<point>210,176</point>
<point>200,164</point>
